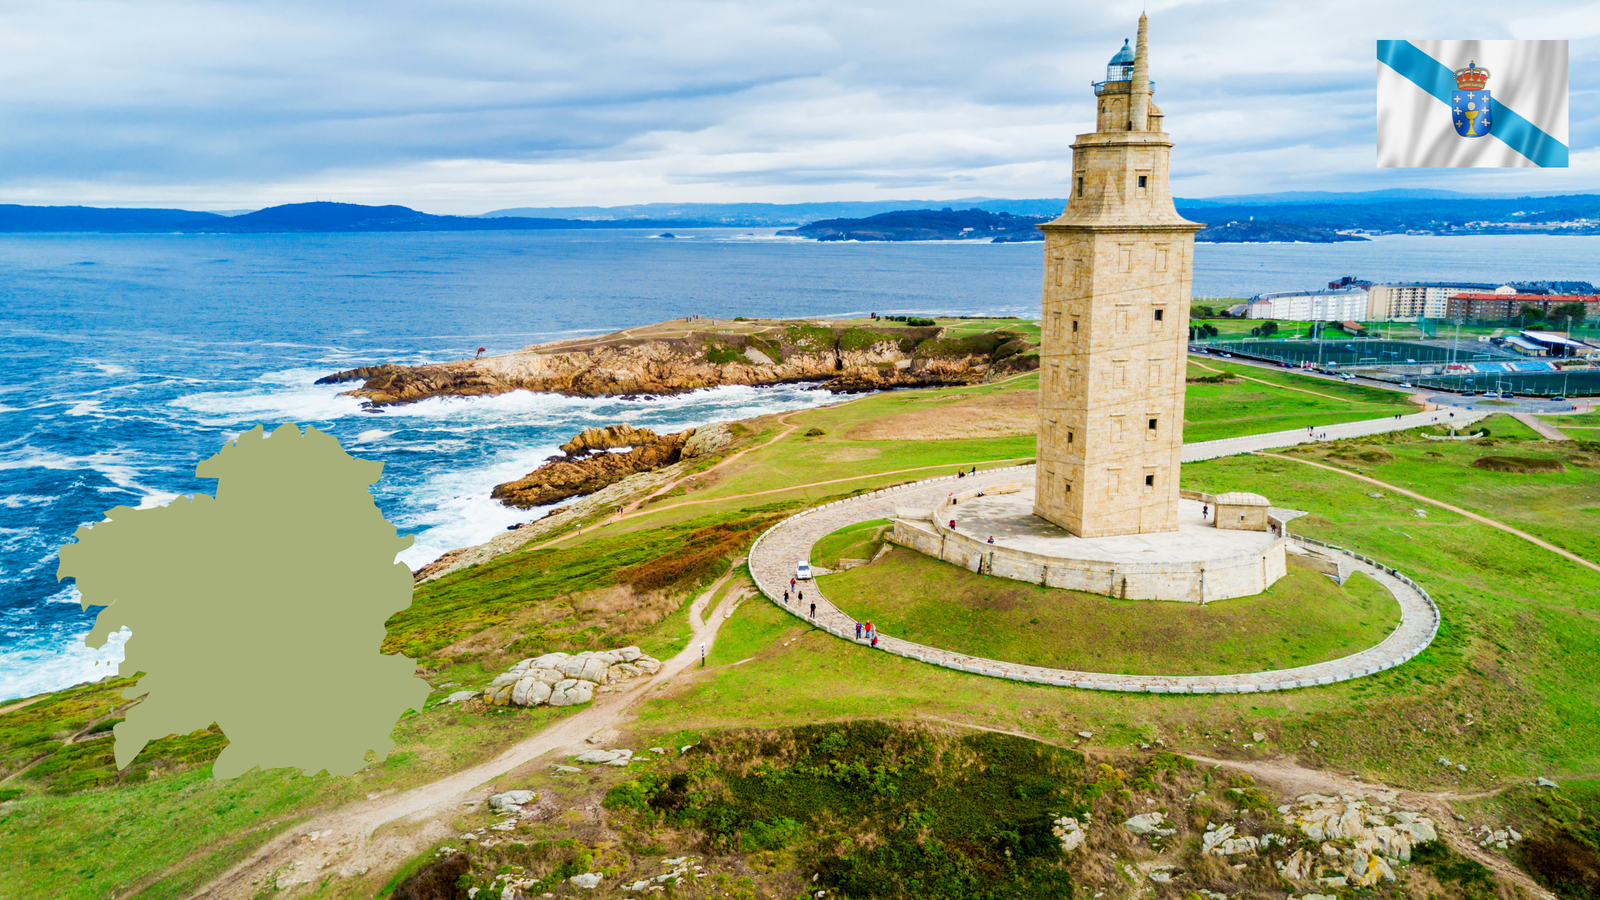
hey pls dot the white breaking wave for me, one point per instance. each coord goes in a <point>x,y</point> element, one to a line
<point>451,509</point>
<point>29,671</point>
<point>112,464</point>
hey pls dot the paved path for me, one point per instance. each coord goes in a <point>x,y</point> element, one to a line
<point>1546,430</point>
<point>773,558</point>
<point>1274,440</point>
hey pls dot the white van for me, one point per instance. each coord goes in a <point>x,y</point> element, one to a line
<point>802,571</point>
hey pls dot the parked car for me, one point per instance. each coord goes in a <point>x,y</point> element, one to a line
<point>802,571</point>
<point>1507,395</point>
<point>1469,393</point>
<point>1227,356</point>
<point>1558,398</point>
<point>1348,377</point>
<point>1491,395</point>
<point>1405,384</point>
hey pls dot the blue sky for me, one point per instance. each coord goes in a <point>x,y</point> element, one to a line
<point>473,105</point>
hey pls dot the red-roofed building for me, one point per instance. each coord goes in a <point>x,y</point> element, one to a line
<point>1494,307</point>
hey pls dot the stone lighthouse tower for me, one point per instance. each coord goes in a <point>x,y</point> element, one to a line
<point>1116,322</point>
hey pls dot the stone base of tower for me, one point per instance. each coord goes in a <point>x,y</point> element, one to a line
<point>1196,563</point>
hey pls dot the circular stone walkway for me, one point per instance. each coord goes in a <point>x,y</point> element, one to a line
<point>775,553</point>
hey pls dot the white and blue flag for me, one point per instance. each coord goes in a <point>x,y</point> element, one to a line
<point>1460,104</point>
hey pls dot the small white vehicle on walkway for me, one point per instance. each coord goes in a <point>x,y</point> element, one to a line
<point>802,571</point>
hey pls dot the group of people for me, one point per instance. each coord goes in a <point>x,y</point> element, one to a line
<point>866,630</point>
<point>862,628</point>
<point>799,596</point>
<point>962,473</point>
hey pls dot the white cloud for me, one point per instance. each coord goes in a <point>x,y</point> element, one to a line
<point>462,107</point>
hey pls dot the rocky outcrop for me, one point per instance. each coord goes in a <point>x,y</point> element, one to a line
<point>611,437</point>
<point>562,679</point>
<point>843,360</point>
<point>1070,832</point>
<point>1361,842</point>
<point>361,373</point>
<point>590,465</point>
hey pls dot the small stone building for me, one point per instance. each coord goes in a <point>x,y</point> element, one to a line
<point>1242,511</point>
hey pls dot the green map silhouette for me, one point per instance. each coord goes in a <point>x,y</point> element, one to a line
<point>261,610</point>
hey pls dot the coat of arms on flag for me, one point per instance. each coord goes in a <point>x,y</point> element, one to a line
<point>1435,106</point>
<point>1474,110</point>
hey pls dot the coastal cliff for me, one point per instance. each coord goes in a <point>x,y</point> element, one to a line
<point>677,357</point>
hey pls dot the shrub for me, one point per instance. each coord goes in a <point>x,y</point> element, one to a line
<point>814,432</point>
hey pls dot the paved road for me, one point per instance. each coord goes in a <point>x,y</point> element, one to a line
<point>1519,404</point>
<point>1274,440</point>
<point>773,558</point>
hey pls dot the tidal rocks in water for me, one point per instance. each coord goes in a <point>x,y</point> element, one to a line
<point>590,465</point>
<point>611,437</point>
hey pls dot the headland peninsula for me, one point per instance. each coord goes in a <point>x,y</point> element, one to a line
<point>841,355</point>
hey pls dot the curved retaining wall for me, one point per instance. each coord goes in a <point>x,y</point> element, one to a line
<point>1195,581</point>
<point>774,554</point>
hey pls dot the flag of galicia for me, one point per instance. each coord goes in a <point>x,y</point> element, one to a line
<point>1472,103</point>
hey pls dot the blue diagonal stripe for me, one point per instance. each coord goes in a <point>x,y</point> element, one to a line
<point>1434,77</point>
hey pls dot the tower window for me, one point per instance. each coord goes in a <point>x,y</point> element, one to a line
<point>1074,326</point>
<point>1080,187</point>
<point>1069,487</point>
<point>1152,424</point>
<point>1158,314</point>
<point>1069,437</point>
<point>1143,180</point>
<point>1149,481</point>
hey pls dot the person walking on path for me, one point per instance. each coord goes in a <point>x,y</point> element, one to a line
<point>858,631</point>
<point>813,610</point>
<point>801,596</point>
<point>874,642</point>
<point>786,597</point>
<point>1205,511</point>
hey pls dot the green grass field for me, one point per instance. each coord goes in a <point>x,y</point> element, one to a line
<point>858,541</point>
<point>1286,401</point>
<point>1303,618</point>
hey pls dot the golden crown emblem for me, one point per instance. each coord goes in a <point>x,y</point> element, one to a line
<point>1471,78</point>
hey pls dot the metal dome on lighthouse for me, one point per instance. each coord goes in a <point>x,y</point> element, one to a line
<point>1121,66</point>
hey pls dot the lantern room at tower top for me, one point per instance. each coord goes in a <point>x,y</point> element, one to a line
<point>1119,70</point>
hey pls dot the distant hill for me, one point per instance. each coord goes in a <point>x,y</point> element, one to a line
<point>1003,228</point>
<point>926,225</point>
<point>293,217</point>
<point>1382,212</point>
<point>88,218</point>
<point>1261,231</point>
<point>1294,198</point>
<point>1560,213</point>
<point>769,215</point>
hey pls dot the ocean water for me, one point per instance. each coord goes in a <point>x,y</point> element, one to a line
<point>129,358</point>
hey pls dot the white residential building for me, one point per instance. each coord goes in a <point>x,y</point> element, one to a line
<point>1344,304</point>
<point>1419,300</point>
